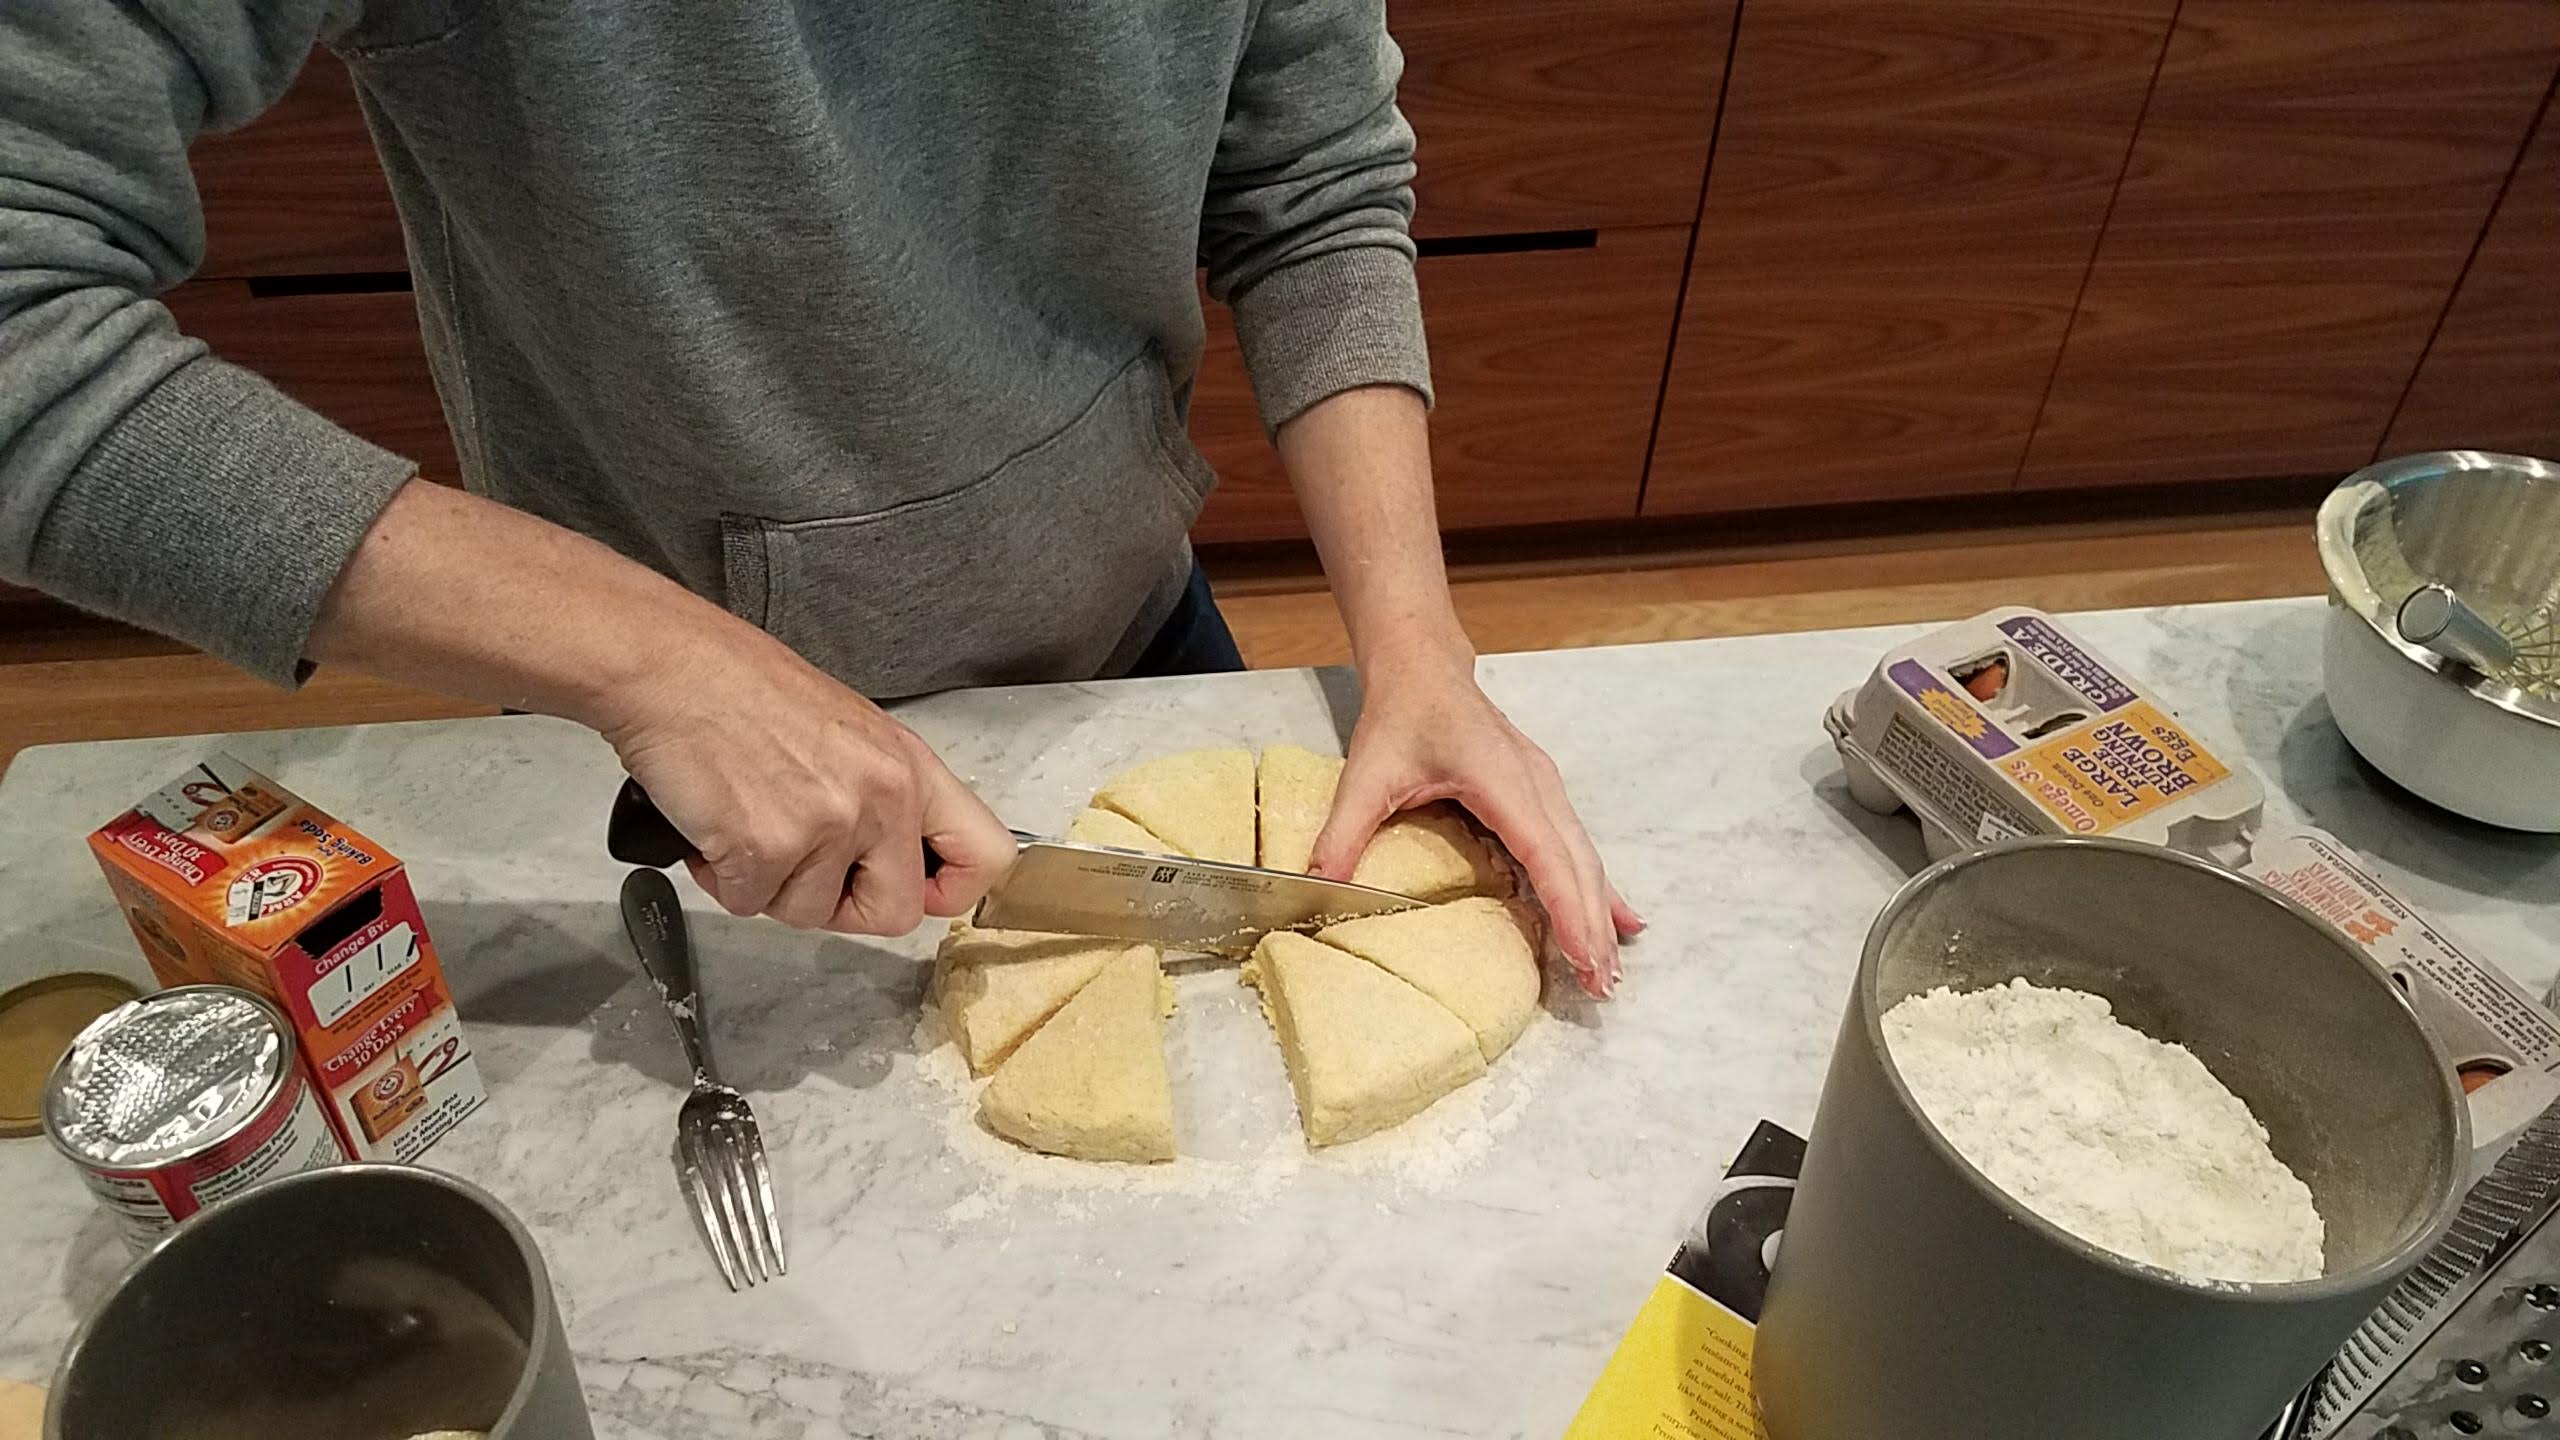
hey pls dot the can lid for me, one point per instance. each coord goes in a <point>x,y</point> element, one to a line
<point>38,1021</point>
<point>165,1076</point>
<point>21,1406</point>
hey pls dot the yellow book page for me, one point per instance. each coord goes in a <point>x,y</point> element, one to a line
<point>1683,1372</point>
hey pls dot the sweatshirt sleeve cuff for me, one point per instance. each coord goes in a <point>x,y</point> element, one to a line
<point>219,511</point>
<point>1332,323</point>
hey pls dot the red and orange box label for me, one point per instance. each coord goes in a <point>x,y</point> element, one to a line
<point>228,878</point>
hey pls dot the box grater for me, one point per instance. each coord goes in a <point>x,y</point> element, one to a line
<point>2469,1344</point>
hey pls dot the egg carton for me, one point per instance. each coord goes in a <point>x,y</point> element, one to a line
<point>2008,724</point>
<point>2504,1045</point>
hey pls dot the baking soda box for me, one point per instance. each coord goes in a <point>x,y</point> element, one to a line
<point>228,878</point>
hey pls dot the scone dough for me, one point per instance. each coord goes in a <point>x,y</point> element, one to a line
<point>1106,827</point>
<point>997,986</point>
<point>1200,802</point>
<point>1473,956</point>
<point>1091,1083</point>
<point>1364,1049</point>
<point>1377,1018</point>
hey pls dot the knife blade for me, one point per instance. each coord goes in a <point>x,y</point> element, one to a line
<point>1058,887</point>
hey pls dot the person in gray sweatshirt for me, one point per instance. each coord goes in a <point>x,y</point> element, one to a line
<point>799,356</point>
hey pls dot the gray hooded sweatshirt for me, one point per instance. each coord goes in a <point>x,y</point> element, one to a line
<point>873,320</point>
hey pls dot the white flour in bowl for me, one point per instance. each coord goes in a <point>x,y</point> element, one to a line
<point>2124,1141</point>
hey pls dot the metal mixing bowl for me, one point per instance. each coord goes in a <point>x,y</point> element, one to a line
<point>354,1302</point>
<point>2486,746</point>
<point>1913,1298</point>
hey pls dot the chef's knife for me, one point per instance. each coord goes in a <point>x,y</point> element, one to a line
<point>1060,888</point>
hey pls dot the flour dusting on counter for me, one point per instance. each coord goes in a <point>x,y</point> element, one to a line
<point>1434,1150</point>
<point>1069,1187</point>
<point>2124,1141</point>
<point>1258,1153</point>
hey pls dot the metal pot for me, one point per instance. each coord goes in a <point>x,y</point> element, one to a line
<point>2485,746</point>
<point>1913,1298</point>
<point>361,1302</point>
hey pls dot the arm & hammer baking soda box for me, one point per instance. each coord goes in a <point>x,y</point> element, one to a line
<point>228,878</point>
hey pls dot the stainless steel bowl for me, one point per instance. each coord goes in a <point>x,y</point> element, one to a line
<point>358,1302</point>
<point>1914,1298</point>
<point>2482,745</point>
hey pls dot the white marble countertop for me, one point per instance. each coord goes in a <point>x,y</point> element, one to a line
<point>1469,1283</point>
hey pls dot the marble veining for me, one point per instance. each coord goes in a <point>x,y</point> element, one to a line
<point>1338,1301</point>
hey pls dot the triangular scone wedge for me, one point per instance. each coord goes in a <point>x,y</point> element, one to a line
<point>1473,956</point>
<point>995,986</point>
<point>1107,827</point>
<point>1428,853</point>
<point>1199,802</point>
<point>1293,789</point>
<point>1091,1083</point>
<point>1364,1049</point>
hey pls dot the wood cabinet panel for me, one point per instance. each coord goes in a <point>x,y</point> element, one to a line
<point>2491,379</point>
<point>2309,177</point>
<point>1547,364</point>
<point>1903,203</point>
<point>298,191</point>
<point>357,359</point>
<point>1559,114</point>
<point>1811,390</point>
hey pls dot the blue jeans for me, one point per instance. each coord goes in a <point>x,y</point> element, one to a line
<point>1194,639</point>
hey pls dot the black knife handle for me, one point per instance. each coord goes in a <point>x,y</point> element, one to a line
<point>639,833</point>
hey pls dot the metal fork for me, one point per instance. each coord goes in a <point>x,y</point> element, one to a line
<point>719,1152</point>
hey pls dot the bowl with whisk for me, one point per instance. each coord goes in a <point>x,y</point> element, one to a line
<point>2442,654</point>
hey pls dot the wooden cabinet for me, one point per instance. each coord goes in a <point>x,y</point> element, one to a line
<point>1559,114</point>
<point>356,358</point>
<point>2309,178</point>
<point>1579,124</point>
<point>1903,202</point>
<point>2491,377</point>
<point>1546,364</point>
<point>298,191</point>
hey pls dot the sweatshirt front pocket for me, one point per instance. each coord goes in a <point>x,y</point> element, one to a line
<point>1035,571</point>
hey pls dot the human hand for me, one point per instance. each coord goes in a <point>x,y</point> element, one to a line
<point>1428,732</point>
<point>806,802</point>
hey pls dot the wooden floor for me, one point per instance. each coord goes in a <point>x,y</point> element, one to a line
<point>1758,578</point>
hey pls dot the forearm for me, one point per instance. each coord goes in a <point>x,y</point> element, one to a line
<point>464,596</point>
<point>1360,463</point>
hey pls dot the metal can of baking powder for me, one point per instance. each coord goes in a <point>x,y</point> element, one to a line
<point>178,1099</point>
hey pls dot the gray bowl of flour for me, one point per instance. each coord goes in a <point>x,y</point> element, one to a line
<point>2115,1145</point>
